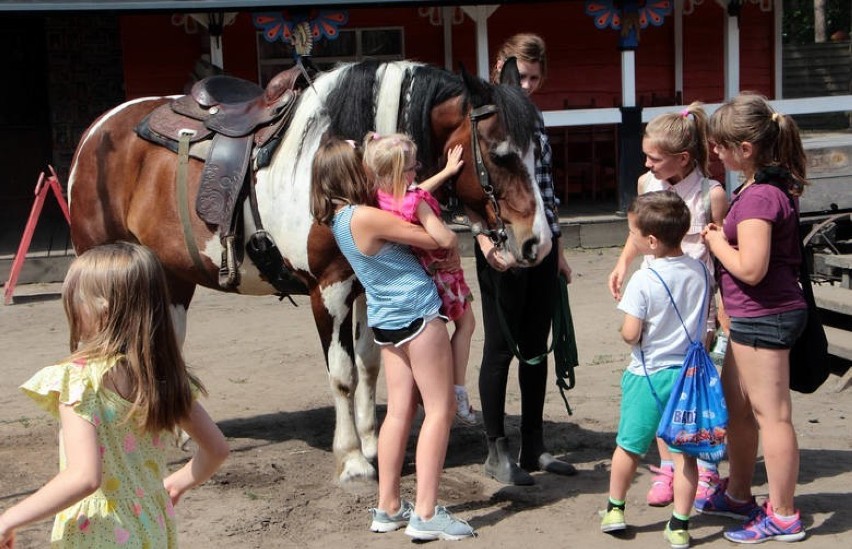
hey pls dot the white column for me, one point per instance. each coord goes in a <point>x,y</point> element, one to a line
<point>628,78</point>
<point>778,16</point>
<point>216,52</point>
<point>447,18</point>
<point>732,56</point>
<point>678,47</point>
<point>480,15</point>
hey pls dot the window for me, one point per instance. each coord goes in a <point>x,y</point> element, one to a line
<point>385,44</point>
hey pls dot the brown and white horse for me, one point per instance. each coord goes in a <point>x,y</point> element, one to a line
<point>123,188</point>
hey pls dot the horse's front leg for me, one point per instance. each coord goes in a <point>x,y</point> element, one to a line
<point>367,363</point>
<point>334,323</point>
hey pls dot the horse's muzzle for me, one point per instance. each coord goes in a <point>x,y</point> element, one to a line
<point>529,250</point>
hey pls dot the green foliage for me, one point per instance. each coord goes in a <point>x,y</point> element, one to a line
<point>798,22</point>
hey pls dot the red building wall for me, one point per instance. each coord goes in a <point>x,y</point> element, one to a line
<point>585,63</point>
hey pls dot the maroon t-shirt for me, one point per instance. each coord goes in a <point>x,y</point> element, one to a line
<point>779,291</point>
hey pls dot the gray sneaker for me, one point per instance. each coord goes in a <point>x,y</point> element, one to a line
<point>441,526</point>
<point>382,522</point>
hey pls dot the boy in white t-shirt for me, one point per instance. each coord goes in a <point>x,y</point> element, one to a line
<point>658,222</point>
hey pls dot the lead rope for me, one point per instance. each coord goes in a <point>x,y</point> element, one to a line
<point>563,344</point>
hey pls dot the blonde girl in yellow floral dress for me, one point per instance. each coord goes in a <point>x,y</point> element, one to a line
<point>121,398</point>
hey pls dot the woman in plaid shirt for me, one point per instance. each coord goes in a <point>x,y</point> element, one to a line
<point>525,301</point>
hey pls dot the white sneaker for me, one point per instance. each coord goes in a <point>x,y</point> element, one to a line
<point>442,525</point>
<point>464,411</point>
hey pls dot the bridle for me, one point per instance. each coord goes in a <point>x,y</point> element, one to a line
<point>497,235</point>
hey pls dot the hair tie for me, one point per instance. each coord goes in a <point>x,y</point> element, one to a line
<point>775,116</point>
<point>685,113</point>
<point>375,136</point>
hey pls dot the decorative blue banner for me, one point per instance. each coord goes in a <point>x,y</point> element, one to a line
<point>628,16</point>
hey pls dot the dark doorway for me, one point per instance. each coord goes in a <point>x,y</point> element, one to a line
<point>25,137</point>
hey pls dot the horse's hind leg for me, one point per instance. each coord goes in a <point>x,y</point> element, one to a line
<point>334,323</point>
<point>367,363</point>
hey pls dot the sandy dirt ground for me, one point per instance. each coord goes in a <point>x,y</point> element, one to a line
<point>261,361</point>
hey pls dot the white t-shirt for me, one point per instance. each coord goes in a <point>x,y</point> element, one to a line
<point>664,340</point>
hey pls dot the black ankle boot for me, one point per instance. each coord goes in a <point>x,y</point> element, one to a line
<point>501,467</point>
<point>534,457</point>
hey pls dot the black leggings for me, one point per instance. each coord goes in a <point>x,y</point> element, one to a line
<point>526,297</point>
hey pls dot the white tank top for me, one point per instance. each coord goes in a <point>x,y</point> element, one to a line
<point>690,190</point>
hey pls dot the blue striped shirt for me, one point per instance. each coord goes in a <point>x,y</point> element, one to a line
<point>398,289</point>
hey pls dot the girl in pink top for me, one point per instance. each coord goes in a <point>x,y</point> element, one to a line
<point>391,161</point>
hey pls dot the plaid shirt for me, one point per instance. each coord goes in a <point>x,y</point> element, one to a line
<point>544,178</point>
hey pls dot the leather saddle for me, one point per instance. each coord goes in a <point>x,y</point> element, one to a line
<point>236,116</point>
<point>227,121</point>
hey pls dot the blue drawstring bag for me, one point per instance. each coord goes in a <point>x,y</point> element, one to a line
<point>695,419</point>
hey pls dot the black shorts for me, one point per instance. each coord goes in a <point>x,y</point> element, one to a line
<point>401,336</point>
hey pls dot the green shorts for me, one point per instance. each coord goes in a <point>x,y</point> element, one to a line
<point>640,415</point>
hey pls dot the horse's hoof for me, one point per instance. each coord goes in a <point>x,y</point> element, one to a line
<point>356,469</point>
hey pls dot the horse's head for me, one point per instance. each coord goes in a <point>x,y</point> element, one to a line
<point>496,124</point>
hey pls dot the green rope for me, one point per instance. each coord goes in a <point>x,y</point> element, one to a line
<point>563,344</point>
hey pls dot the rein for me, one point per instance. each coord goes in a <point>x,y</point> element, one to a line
<point>563,344</point>
<point>497,235</point>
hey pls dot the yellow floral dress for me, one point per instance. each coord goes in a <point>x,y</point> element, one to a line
<point>131,508</point>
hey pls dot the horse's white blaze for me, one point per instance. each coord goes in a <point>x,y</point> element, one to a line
<point>505,148</point>
<point>540,225</point>
<point>95,129</point>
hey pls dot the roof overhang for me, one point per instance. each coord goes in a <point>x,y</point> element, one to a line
<point>209,5</point>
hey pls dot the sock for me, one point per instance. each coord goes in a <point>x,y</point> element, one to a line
<point>460,389</point>
<point>707,465</point>
<point>666,464</point>
<point>735,500</point>
<point>783,518</point>
<point>613,503</point>
<point>679,522</point>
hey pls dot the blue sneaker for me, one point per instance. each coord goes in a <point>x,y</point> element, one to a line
<point>718,503</point>
<point>382,522</point>
<point>766,526</point>
<point>442,525</point>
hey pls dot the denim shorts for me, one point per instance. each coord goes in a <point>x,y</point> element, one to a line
<point>775,331</point>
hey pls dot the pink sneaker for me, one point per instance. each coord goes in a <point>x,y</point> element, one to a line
<point>707,481</point>
<point>662,487</point>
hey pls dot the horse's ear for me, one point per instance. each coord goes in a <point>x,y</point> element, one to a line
<point>477,89</point>
<point>510,74</point>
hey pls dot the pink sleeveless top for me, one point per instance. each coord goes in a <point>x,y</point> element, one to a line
<point>454,291</point>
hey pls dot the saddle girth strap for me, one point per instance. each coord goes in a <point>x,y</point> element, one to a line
<point>183,202</point>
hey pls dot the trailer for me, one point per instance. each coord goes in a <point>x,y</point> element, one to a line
<point>826,226</point>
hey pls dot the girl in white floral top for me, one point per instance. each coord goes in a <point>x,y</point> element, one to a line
<point>120,397</point>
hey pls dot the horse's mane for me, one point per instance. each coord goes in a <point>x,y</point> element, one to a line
<point>355,92</point>
<point>425,88</point>
<point>350,104</point>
